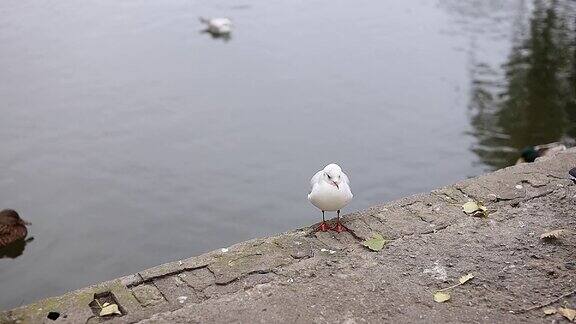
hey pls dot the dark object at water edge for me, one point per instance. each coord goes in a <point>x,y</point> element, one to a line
<point>12,227</point>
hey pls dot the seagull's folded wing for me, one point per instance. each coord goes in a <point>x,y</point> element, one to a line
<point>315,179</point>
<point>345,177</point>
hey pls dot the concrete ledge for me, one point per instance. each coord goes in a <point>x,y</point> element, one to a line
<point>326,277</point>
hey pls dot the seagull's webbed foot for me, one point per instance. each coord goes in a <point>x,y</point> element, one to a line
<point>339,228</point>
<point>323,227</point>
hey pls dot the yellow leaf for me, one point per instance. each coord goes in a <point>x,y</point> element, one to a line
<point>376,243</point>
<point>475,208</point>
<point>470,207</point>
<point>441,296</point>
<point>552,234</point>
<point>569,313</point>
<point>110,309</point>
<point>550,311</point>
<point>465,278</point>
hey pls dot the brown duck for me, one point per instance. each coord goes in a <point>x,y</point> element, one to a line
<point>12,227</point>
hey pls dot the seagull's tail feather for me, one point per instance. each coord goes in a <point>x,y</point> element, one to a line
<point>203,20</point>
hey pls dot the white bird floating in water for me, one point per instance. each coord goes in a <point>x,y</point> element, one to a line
<point>330,191</point>
<point>217,26</point>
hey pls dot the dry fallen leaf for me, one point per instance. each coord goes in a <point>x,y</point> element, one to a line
<point>470,207</point>
<point>549,311</point>
<point>552,234</point>
<point>475,209</point>
<point>569,313</point>
<point>376,243</point>
<point>441,296</point>
<point>110,309</point>
<point>465,278</point>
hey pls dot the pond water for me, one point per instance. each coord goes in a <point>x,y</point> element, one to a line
<point>129,138</point>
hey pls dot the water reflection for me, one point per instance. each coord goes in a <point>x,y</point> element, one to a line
<point>15,249</point>
<point>224,37</point>
<point>536,102</point>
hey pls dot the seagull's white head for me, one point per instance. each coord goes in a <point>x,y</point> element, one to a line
<point>333,174</point>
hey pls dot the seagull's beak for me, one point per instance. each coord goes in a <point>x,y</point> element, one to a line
<point>26,222</point>
<point>335,184</point>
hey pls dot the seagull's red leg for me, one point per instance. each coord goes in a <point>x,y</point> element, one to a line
<point>339,227</point>
<point>323,227</point>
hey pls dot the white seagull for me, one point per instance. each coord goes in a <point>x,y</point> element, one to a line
<point>217,26</point>
<point>330,191</point>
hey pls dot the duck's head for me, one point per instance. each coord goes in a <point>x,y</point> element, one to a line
<point>529,154</point>
<point>333,174</point>
<point>11,217</point>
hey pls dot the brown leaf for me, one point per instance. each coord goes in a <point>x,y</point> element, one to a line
<point>465,278</point>
<point>475,208</point>
<point>441,296</point>
<point>549,311</point>
<point>470,207</point>
<point>569,313</point>
<point>552,234</point>
<point>111,309</point>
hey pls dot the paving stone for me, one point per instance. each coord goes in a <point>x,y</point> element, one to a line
<point>147,295</point>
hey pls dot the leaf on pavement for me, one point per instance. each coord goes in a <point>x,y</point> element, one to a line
<point>465,278</point>
<point>376,243</point>
<point>549,311</point>
<point>110,309</point>
<point>475,208</point>
<point>470,207</point>
<point>441,296</point>
<point>552,234</point>
<point>569,313</point>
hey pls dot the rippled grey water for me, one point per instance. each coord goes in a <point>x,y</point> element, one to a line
<point>130,139</point>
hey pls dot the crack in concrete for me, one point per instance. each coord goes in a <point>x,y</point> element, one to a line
<point>555,177</point>
<point>409,204</point>
<point>230,262</point>
<point>416,213</point>
<point>137,283</point>
<point>461,190</point>
<point>540,195</point>
<point>435,230</point>
<point>291,254</point>
<point>442,197</point>
<point>245,275</point>
<point>165,275</point>
<point>535,185</point>
<point>153,283</point>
